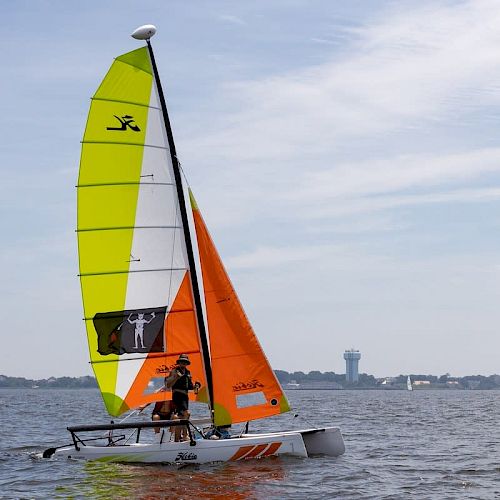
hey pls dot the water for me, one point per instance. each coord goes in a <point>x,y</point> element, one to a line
<point>425,444</point>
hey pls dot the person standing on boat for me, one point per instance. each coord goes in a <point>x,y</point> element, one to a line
<point>181,383</point>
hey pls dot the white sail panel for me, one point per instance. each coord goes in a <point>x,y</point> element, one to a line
<point>158,260</point>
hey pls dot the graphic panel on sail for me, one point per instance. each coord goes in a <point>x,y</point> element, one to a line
<point>245,386</point>
<point>134,273</point>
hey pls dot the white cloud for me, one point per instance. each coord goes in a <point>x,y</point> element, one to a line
<point>264,257</point>
<point>230,19</point>
<point>405,70</point>
<point>405,78</point>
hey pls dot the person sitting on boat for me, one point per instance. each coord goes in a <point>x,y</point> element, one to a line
<point>219,432</point>
<point>181,383</point>
<point>162,410</point>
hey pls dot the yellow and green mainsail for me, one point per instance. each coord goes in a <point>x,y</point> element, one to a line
<point>134,270</point>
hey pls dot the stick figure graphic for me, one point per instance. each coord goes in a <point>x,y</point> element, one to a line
<point>139,327</point>
<point>126,121</point>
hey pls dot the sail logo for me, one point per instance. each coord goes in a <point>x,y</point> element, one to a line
<point>126,121</point>
<point>164,369</point>
<point>251,384</point>
<point>184,455</point>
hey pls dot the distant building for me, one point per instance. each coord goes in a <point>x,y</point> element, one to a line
<point>352,358</point>
<point>421,382</point>
<point>387,381</point>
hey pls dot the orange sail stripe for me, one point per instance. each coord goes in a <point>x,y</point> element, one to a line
<point>239,365</point>
<point>181,337</point>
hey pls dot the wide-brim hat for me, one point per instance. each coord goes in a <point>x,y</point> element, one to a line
<point>184,358</point>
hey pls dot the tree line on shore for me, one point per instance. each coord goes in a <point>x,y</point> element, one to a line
<point>370,382</point>
<point>306,380</point>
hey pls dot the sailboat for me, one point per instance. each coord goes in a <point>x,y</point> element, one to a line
<point>409,386</point>
<point>154,288</point>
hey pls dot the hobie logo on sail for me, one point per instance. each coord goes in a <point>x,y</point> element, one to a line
<point>243,386</point>
<point>164,369</point>
<point>125,121</point>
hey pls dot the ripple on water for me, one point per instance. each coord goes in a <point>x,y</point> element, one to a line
<point>398,445</point>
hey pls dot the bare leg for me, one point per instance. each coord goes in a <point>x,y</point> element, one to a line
<point>156,418</point>
<point>177,430</point>
<point>184,429</point>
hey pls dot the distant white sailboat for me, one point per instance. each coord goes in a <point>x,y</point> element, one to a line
<point>408,384</point>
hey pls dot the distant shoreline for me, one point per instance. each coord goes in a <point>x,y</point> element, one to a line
<point>300,381</point>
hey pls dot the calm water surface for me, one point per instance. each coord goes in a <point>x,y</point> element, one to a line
<point>425,444</point>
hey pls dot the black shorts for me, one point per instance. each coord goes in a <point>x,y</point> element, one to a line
<point>181,402</point>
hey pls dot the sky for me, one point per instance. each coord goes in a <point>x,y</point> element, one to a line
<point>345,156</point>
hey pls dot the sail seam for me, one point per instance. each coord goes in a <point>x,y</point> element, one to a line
<point>133,66</point>
<point>118,228</point>
<point>125,102</point>
<point>125,144</point>
<point>83,275</point>
<point>148,355</point>
<point>104,184</point>
<point>169,313</point>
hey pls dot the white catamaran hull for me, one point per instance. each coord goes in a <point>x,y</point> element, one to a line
<point>205,450</point>
<point>295,443</point>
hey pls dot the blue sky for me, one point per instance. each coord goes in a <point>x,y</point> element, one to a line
<point>345,156</point>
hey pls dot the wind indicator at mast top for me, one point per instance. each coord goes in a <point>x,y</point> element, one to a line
<point>144,32</point>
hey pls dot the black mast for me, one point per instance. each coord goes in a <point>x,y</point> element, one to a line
<point>187,234</point>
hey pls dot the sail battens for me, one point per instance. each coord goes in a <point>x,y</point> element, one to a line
<point>118,143</point>
<point>120,228</point>
<point>112,184</point>
<point>129,271</point>
<point>135,62</point>
<point>150,355</point>
<point>122,101</point>
<point>169,312</point>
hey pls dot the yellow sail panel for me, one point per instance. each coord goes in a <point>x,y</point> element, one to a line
<point>135,276</point>
<point>245,386</point>
<point>108,188</point>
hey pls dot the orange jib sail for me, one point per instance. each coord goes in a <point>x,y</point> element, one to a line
<point>245,386</point>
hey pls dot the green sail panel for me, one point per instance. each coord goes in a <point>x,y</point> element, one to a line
<point>134,269</point>
<point>108,187</point>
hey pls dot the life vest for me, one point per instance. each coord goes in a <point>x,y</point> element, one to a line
<point>184,383</point>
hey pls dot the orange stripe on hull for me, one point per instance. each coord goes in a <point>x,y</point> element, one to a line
<point>256,451</point>
<point>242,451</point>
<point>273,448</point>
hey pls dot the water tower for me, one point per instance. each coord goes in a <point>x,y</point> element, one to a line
<point>352,357</point>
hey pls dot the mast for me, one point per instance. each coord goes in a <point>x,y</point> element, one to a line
<point>187,235</point>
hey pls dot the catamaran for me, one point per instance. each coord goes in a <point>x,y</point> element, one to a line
<point>154,288</point>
